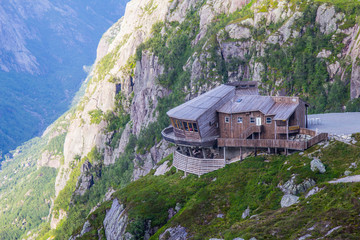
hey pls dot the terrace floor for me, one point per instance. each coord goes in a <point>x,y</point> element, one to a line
<point>335,123</point>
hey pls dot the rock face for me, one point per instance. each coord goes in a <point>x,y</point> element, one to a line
<point>162,169</point>
<point>317,165</point>
<point>176,233</point>
<point>49,160</point>
<point>288,200</point>
<point>235,43</point>
<point>115,222</point>
<point>290,187</point>
<point>86,179</point>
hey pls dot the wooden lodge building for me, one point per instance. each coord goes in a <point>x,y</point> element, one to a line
<point>225,123</point>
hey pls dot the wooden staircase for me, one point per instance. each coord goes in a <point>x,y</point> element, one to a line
<point>251,130</point>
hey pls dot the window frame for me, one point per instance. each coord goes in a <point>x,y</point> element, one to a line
<point>227,119</point>
<point>186,127</point>
<point>267,120</point>
<point>240,120</point>
<point>190,125</point>
<point>195,127</point>
<point>252,120</point>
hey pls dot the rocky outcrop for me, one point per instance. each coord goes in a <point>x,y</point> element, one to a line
<point>246,213</point>
<point>162,169</point>
<point>317,165</point>
<point>55,220</point>
<point>49,160</point>
<point>327,18</point>
<point>290,187</point>
<point>115,222</point>
<point>85,180</point>
<point>146,92</point>
<point>144,163</point>
<point>86,228</point>
<point>174,233</point>
<point>288,200</point>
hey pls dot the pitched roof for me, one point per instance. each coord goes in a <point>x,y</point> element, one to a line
<point>282,111</point>
<point>193,109</point>
<point>248,103</point>
<point>265,104</point>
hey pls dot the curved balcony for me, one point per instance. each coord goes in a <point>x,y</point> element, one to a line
<point>169,135</point>
<point>198,166</point>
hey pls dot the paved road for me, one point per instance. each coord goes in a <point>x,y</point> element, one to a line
<point>335,123</point>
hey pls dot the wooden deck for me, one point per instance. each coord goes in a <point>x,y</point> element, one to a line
<point>198,166</point>
<point>262,143</point>
<point>275,143</point>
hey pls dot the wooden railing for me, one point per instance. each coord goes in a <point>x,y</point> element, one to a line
<point>262,143</point>
<point>275,143</point>
<point>251,130</point>
<point>198,166</point>
<point>292,129</point>
<point>306,131</point>
<point>317,139</point>
<point>169,135</point>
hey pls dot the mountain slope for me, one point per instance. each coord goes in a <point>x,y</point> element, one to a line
<point>163,53</point>
<point>44,46</point>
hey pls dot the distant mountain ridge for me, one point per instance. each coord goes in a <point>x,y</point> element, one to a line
<point>43,47</point>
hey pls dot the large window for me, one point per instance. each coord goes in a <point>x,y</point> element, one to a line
<point>240,120</point>
<point>186,126</point>
<point>195,127</point>
<point>179,125</point>
<point>252,120</point>
<point>227,119</point>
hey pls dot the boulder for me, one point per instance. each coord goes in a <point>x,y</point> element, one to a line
<point>317,165</point>
<point>246,213</point>
<point>313,191</point>
<point>288,200</point>
<point>174,233</point>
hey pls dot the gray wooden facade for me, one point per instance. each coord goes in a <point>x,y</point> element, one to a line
<point>236,116</point>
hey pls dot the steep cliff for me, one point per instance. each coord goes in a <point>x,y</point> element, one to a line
<point>162,53</point>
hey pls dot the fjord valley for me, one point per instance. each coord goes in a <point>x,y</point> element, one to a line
<point>108,168</point>
<point>44,47</point>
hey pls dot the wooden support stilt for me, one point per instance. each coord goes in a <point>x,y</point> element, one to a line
<point>203,152</point>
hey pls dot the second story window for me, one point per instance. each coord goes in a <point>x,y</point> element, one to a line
<point>195,127</point>
<point>186,128</point>
<point>191,129</point>
<point>227,119</point>
<point>268,120</point>
<point>239,120</point>
<point>252,120</point>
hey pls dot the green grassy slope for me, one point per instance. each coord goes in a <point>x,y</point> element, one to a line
<point>252,183</point>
